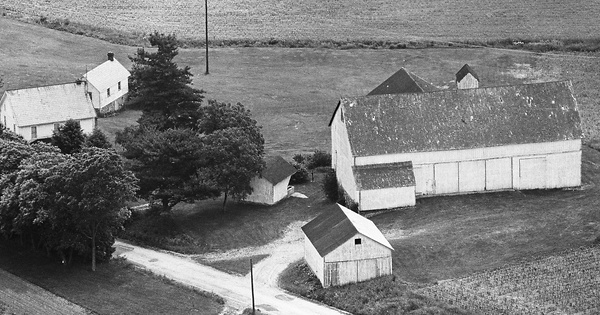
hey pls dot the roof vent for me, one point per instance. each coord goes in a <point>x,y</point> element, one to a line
<point>111,56</point>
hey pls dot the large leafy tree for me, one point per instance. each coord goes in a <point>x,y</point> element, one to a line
<point>166,162</point>
<point>162,89</point>
<point>69,138</point>
<point>234,148</point>
<point>97,139</point>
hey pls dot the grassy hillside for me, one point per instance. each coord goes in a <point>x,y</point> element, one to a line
<point>329,20</point>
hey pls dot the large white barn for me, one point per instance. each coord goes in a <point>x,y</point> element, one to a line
<point>108,85</point>
<point>342,247</point>
<point>35,113</point>
<point>461,140</point>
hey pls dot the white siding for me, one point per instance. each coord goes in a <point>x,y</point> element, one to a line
<point>468,82</point>
<point>313,259</point>
<point>446,178</point>
<point>342,155</point>
<point>100,99</point>
<point>532,172</point>
<point>471,176</point>
<point>366,250</point>
<point>262,191</point>
<point>280,190</point>
<point>45,131</point>
<point>7,116</point>
<point>386,198</point>
<point>498,174</point>
<point>424,179</point>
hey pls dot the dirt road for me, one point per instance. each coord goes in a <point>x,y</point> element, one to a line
<point>235,289</point>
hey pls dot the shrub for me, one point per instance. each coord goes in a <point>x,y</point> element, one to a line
<point>330,186</point>
<point>319,159</point>
<point>301,176</point>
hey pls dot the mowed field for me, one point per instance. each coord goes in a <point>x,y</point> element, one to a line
<point>396,20</point>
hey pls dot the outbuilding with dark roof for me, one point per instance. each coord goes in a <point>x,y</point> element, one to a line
<point>341,246</point>
<point>272,185</point>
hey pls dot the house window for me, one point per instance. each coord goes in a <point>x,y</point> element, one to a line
<point>119,85</point>
<point>56,127</point>
<point>33,132</point>
<point>108,92</point>
<point>341,115</point>
<point>357,241</point>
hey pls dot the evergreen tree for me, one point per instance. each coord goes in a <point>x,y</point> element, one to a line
<point>97,139</point>
<point>69,138</point>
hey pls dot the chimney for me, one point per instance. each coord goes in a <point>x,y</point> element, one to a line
<point>111,56</point>
<point>466,78</point>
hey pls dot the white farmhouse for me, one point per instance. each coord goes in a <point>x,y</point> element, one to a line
<point>341,247</point>
<point>35,113</point>
<point>108,85</point>
<point>272,185</point>
<point>460,141</point>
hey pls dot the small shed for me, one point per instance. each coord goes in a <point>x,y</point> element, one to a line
<point>35,113</point>
<point>466,78</point>
<point>384,186</point>
<point>272,184</point>
<point>341,247</point>
<point>108,85</point>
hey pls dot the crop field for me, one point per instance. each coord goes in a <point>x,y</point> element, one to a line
<point>561,284</point>
<point>347,20</point>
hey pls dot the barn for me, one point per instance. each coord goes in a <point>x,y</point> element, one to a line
<point>341,247</point>
<point>35,113</point>
<point>272,185</point>
<point>461,140</point>
<point>108,85</point>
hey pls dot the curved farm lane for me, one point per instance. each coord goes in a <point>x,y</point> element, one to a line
<point>18,296</point>
<point>235,289</point>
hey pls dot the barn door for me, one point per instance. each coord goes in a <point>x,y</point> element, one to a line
<point>446,178</point>
<point>332,276</point>
<point>532,173</point>
<point>424,180</point>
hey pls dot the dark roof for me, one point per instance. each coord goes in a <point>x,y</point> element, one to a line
<point>335,226</point>
<point>403,81</point>
<point>378,176</point>
<point>277,169</point>
<point>464,71</point>
<point>461,119</point>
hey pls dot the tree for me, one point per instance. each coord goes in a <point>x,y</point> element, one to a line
<point>7,134</point>
<point>97,139</point>
<point>234,147</point>
<point>330,186</point>
<point>69,138</point>
<point>166,162</point>
<point>162,89</point>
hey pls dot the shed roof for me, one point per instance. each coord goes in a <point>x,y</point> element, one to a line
<point>461,119</point>
<point>403,81</point>
<point>377,176</point>
<point>49,104</point>
<point>464,71</point>
<point>107,74</point>
<point>277,169</point>
<point>333,228</point>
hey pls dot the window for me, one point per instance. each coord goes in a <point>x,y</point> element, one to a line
<point>33,132</point>
<point>341,115</point>
<point>119,85</point>
<point>90,94</point>
<point>56,127</point>
<point>357,241</point>
<point>108,92</point>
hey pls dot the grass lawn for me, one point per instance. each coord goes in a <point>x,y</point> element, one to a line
<point>115,288</point>
<point>240,266</point>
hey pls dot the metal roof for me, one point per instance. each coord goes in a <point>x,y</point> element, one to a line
<point>334,227</point>
<point>461,119</point>
<point>464,71</point>
<point>277,169</point>
<point>107,74</point>
<point>49,104</point>
<point>377,176</point>
<point>403,81</point>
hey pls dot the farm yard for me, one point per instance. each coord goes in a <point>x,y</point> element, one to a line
<point>329,20</point>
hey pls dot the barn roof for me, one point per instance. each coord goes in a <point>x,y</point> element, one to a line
<point>334,227</point>
<point>403,81</point>
<point>464,71</point>
<point>379,176</point>
<point>461,119</point>
<point>49,104</point>
<point>106,74</point>
<point>277,169</point>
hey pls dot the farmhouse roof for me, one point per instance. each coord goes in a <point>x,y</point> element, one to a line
<point>464,71</point>
<point>277,169</point>
<point>379,176</point>
<point>49,104</point>
<point>403,81</point>
<point>107,74</point>
<point>461,119</point>
<point>334,227</point>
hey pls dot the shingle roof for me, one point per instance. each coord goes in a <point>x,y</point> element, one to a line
<point>334,227</point>
<point>49,104</point>
<point>461,119</point>
<point>379,176</point>
<point>403,81</point>
<point>106,74</point>
<point>464,71</point>
<point>277,169</point>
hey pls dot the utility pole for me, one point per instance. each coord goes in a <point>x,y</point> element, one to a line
<point>206,31</point>
<point>252,287</point>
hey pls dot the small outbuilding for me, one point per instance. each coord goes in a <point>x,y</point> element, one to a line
<point>272,184</point>
<point>341,247</point>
